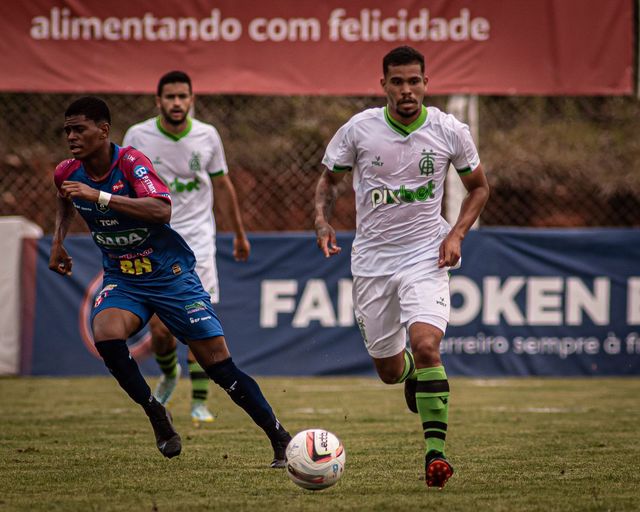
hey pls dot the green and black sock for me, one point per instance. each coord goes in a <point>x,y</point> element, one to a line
<point>409,367</point>
<point>168,363</point>
<point>432,398</point>
<point>199,382</point>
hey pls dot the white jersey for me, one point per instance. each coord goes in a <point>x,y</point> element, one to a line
<point>398,178</point>
<point>185,162</point>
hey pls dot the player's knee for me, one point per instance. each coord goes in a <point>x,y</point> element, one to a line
<point>162,341</point>
<point>222,373</point>
<point>111,324</point>
<point>389,375</point>
<point>427,354</point>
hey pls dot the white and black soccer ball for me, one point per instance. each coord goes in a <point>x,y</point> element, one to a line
<point>315,459</point>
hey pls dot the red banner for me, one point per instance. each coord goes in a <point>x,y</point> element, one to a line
<point>310,47</point>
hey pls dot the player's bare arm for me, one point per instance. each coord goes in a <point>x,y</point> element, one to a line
<point>325,199</point>
<point>477,195</point>
<point>59,259</point>
<point>241,245</point>
<point>150,209</point>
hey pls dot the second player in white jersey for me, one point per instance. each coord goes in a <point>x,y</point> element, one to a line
<point>189,157</point>
<point>398,178</point>
<point>186,162</point>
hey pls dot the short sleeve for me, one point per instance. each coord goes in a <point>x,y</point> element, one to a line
<point>63,171</point>
<point>340,155</point>
<point>218,163</point>
<point>141,175</point>
<point>464,154</point>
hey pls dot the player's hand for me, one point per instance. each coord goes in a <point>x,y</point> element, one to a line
<point>60,261</point>
<point>75,189</point>
<point>326,239</point>
<point>450,250</point>
<point>241,248</point>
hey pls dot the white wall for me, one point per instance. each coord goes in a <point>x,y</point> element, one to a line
<point>12,231</point>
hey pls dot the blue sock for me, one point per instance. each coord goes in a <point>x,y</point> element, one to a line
<point>124,368</point>
<point>246,393</point>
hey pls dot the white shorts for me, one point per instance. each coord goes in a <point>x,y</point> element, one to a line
<point>386,306</point>
<point>208,274</point>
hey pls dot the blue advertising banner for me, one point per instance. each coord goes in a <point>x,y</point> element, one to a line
<point>525,302</point>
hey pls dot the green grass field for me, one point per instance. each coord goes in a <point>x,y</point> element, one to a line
<point>517,444</point>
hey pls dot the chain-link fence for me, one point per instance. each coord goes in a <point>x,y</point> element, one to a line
<point>550,161</point>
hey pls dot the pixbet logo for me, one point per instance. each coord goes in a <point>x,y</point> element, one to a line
<point>384,195</point>
<point>184,186</point>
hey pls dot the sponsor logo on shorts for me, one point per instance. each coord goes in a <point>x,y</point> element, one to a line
<point>194,307</point>
<point>199,319</point>
<point>103,294</point>
<point>176,269</point>
<point>441,301</point>
<point>360,322</point>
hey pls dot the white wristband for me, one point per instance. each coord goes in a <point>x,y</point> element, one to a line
<point>104,198</point>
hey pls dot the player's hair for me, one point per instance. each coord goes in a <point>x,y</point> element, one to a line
<point>91,107</point>
<point>173,77</point>
<point>400,56</point>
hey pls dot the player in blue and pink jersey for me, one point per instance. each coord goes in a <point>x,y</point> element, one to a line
<point>148,269</point>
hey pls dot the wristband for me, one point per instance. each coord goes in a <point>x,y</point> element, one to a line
<point>104,198</point>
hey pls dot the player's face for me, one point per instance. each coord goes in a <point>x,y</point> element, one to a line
<point>175,102</point>
<point>405,87</point>
<point>85,136</point>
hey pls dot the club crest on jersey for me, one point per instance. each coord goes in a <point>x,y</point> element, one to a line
<point>102,208</point>
<point>427,163</point>
<point>194,161</point>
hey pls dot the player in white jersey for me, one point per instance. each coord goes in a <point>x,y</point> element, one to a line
<point>399,156</point>
<point>188,155</point>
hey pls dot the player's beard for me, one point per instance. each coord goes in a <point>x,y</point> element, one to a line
<point>406,113</point>
<point>171,120</point>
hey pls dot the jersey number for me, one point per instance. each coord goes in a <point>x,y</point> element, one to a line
<point>137,266</point>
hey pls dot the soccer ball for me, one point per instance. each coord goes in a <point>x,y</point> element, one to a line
<point>315,459</point>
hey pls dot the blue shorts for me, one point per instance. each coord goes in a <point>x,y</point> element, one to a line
<point>179,301</point>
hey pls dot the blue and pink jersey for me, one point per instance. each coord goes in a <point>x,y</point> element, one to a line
<point>131,248</point>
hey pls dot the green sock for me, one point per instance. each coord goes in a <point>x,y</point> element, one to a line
<point>409,367</point>
<point>432,398</point>
<point>199,382</point>
<point>169,363</point>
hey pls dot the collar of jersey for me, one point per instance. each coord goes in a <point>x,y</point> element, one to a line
<point>403,129</point>
<point>114,160</point>
<point>174,136</point>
